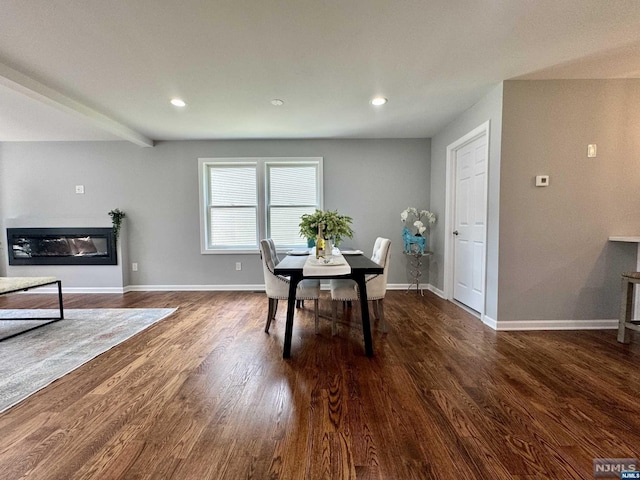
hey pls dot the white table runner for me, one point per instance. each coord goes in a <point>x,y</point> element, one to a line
<point>317,267</point>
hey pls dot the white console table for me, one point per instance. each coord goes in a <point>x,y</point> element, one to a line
<point>631,239</point>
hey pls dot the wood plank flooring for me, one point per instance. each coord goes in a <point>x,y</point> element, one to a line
<point>205,394</point>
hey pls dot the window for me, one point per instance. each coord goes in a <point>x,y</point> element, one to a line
<point>245,199</point>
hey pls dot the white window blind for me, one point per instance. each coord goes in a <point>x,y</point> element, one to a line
<point>233,205</point>
<point>245,200</point>
<point>293,191</point>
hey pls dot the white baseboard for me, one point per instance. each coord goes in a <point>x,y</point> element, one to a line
<point>490,322</point>
<point>405,286</point>
<point>182,288</point>
<point>401,286</point>
<point>522,325</point>
<point>435,290</point>
<point>531,325</point>
<point>150,288</point>
<point>239,288</point>
<point>51,290</point>
<point>499,325</point>
<point>194,288</point>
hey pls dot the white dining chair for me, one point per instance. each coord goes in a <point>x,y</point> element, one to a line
<point>277,286</point>
<point>347,290</point>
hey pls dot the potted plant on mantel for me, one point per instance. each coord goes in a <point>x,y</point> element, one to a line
<point>335,226</point>
<point>116,218</point>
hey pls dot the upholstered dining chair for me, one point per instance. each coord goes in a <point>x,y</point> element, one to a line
<point>347,290</point>
<point>277,286</point>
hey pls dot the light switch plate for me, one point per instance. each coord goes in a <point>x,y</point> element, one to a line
<point>592,150</point>
<point>542,181</point>
<point>79,188</point>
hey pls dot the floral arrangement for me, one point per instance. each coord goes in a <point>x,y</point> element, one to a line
<point>335,226</point>
<point>116,218</point>
<point>410,212</point>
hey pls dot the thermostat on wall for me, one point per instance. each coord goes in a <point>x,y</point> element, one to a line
<point>542,181</point>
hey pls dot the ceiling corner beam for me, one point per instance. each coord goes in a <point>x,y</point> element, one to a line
<point>38,91</point>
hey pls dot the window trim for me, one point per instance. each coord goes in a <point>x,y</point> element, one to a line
<point>261,164</point>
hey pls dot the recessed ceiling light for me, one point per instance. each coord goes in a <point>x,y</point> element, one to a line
<point>377,101</point>
<point>277,102</point>
<point>178,102</point>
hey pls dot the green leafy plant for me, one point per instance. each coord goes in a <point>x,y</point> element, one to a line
<point>336,226</point>
<point>116,218</point>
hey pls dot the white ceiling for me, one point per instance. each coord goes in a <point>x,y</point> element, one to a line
<point>106,70</point>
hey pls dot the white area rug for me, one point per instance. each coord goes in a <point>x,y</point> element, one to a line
<point>31,361</point>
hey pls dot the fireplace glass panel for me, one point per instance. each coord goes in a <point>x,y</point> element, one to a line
<point>61,246</point>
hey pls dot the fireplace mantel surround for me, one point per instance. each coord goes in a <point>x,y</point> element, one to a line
<point>98,278</point>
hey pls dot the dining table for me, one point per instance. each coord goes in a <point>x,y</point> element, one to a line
<point>292,266</point>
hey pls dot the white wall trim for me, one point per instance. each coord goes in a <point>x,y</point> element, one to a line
<point>523,325</point>
<point>54,290</point>
<point>238,288</point>
<point>490,322</point>
<point>405,286</point>
<point>194,288</point>
<point>436,290</point>
<point>199,288</point>
<point>502,326</point>
<point>249,288</point>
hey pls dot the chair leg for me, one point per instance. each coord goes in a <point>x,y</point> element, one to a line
<point>626,308</point>
<point>315,316</point>
<point>334,317</point>
<point>376,313</point>
<point>273,306</point>
<point>383,323</point>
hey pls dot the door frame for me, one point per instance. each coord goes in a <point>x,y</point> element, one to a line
<point>449,271</point>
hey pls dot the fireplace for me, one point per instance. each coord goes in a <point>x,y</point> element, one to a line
<point>61,246</point>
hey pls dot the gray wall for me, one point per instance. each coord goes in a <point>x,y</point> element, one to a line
<point>488,108</point>
<point>370,180</point>
<point>555,260</point>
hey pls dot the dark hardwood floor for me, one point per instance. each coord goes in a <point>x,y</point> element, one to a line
<point>205,394</point>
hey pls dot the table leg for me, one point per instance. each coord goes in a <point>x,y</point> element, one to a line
<point>635,310</point>
<point>364,308</point>
<point>60,299</point>
<point>291,308</point>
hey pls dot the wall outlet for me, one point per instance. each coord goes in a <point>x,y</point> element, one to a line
<point>134,266</point>
<point>79,188</point>
<point>542,181</point>
<point>238,265</point>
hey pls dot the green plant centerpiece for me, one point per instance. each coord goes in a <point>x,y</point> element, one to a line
<point>116,218</point>
<point>335,226</point>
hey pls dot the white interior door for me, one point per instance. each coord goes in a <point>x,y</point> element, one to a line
<point>470,213</point>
